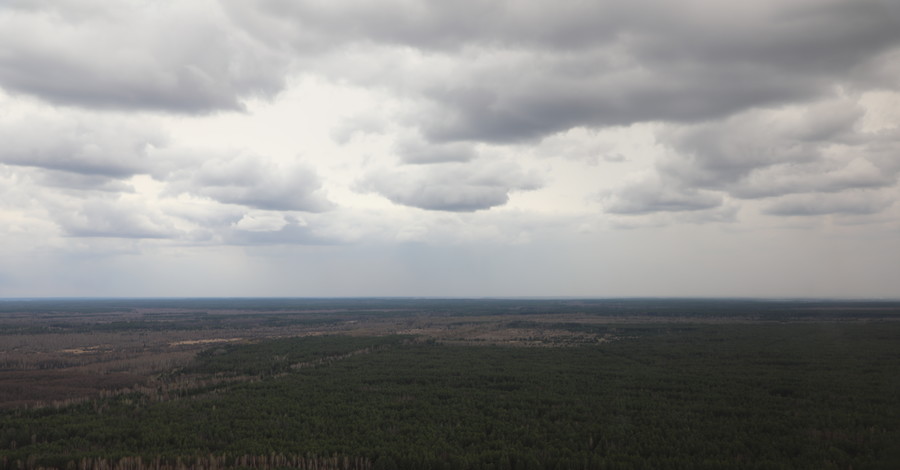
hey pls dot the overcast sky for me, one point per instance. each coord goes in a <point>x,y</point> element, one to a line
<point>450,148</point>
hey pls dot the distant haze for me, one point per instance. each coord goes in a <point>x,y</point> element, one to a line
<point>608,148</point>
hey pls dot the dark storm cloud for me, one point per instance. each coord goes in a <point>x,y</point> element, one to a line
<point>677,69</point>
<point>520,70</point>
<point>253,182</point>
<point>539,102</point>
<point>450,187</point>
<point>431,25</point>
<point>173,56</point>
<point>524,70</point>
<point>780,31</point>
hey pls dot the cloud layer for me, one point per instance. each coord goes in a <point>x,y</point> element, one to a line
<point>222,123</point>
<point>133,55</point>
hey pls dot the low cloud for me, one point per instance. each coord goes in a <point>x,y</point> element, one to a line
<point>853,203</point>
<point>825,176</point>
<point>80,182</point>
<point>413,149</point>
<point>261,222</point>
<point>272,229</point>
<point>722,153</point>
<point>114,219</point>
<point>253,182</point>
<point>653,196</point>
<point>725,213</point>
<point>805,160</point>
<point>450,186</point>
<point>87,145</point>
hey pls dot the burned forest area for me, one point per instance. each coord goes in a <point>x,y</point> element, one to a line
<point>170,384</point>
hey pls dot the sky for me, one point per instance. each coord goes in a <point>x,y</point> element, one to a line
<point>468,148</point>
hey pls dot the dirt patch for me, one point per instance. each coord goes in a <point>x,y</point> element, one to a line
<point>205,341</point>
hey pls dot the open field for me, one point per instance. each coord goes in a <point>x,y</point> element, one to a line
<point>319,383</point>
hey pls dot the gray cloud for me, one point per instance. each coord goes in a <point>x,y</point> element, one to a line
<point>413,149</point>
<point>721,153</point>
<point>854,203</point>
<point>253,182</point>
<point>720,75</point>
<point>169,56</point>
<point>717,29</point>
<point>307,25</point>
<point>771,153</point>
<point>696,212</point>
<point>513,72</point>
<point>522,102</point>
<point>81,182</point>
<point>651,196</point>
<point>827,176</point>
<point>95,146</point>
<point>113,219</point>
<point>450,186</point>
<point>516,71</point>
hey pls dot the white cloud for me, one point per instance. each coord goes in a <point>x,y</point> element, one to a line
<point>261,222</point>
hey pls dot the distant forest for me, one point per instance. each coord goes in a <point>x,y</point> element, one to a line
<point>451,384</point>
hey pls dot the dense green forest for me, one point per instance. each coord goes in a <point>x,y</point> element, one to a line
<point>668,395</point>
